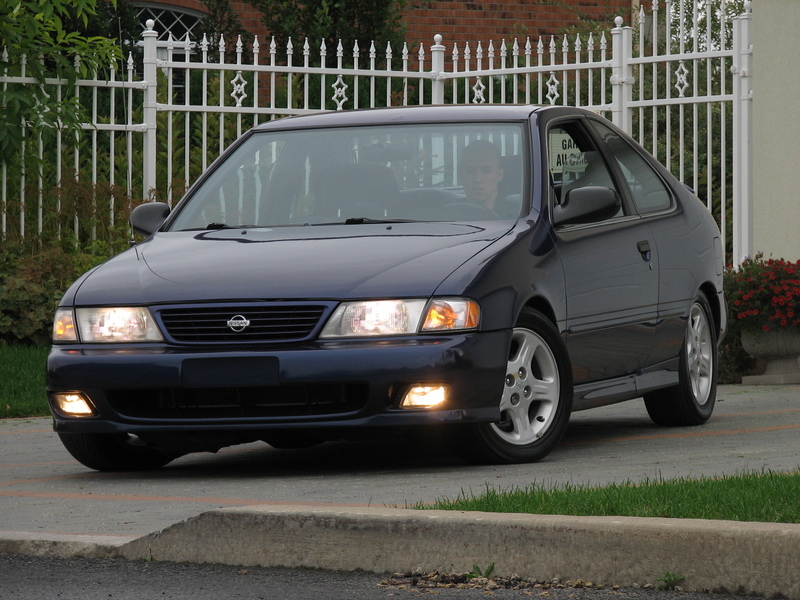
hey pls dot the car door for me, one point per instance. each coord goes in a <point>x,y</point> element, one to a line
<point>610,263</point>
<point>655,203</point>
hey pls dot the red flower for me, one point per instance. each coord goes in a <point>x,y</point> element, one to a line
<point>762,292</point>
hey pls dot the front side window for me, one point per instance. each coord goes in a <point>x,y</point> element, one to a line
<point>575,162</point>
<point>441,172</point>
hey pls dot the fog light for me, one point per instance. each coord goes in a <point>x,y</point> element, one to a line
<point>424,396</point>
<point>72,403</point>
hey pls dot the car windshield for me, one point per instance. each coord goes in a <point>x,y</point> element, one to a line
<point>357,175</point>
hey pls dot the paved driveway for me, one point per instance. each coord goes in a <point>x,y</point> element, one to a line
<point>42,490</point>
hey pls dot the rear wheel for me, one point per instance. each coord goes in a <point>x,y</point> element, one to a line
<point>691,402</point>
<point>536,401</point>
<point>113,452</point>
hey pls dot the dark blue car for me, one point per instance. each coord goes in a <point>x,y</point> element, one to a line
<point>482,269</point>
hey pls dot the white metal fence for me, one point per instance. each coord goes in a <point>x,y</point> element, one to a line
<point>678,81</point>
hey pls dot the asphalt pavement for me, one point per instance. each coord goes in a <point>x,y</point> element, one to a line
<point>343,506</point>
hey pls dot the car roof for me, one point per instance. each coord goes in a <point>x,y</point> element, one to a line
<point>410,114</point>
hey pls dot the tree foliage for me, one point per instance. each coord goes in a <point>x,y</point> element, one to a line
<point>45,39</point>
<point>350,21</point>
<point>221,19</point>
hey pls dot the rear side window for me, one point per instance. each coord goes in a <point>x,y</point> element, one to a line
<point>647,189</point>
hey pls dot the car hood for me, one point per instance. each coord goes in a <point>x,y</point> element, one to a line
<point>319,262</point>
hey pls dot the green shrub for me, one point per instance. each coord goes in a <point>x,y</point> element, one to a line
<point>36,270</point>
<point>32,281</point>
<point>31,284</point>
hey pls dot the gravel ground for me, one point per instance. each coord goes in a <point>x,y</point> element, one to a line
<point>47,578</point>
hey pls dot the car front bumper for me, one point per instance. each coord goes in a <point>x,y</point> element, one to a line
<point>343,384</point>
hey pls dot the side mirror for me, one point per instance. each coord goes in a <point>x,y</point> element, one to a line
<point>586,205</point>
<point>147,218</point>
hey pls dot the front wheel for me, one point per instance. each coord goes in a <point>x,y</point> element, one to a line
<point>536,401</point>
<point>691,402</point>
<point>113,452</point>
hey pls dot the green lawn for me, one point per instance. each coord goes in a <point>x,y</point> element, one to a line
<point>22,370</point>
<point>756,496</point>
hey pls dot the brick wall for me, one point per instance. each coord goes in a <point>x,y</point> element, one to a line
<point>471,21</point>
<point>251,19</point>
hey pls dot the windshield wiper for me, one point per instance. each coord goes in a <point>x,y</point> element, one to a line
<point>348,221</point>
<point>226,226</point>
<point>368,221</point>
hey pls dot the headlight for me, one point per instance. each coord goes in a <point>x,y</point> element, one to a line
<point>401,317</point>
<point>381,317</point>
<point>116,324</point>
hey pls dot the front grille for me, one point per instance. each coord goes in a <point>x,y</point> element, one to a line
<point>233,403</point>
<point>257,322</point>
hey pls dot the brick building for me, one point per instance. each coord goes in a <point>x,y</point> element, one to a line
<point>471,21</point>
<point>458,21</point>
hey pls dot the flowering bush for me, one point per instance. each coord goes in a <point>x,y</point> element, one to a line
<point>764,295</point>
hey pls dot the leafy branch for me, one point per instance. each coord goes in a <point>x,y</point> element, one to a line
<point>45,39</point>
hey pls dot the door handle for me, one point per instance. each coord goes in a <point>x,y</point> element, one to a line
<point>644,250</point>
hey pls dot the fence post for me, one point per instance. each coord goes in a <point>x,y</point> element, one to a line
<point>742,136</point>
<point>621,75</point>
<point>437,70</point>
<point>150,98</point>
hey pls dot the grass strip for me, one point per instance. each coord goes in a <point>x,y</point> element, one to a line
<point>22,381</point>
<point>763,496</point>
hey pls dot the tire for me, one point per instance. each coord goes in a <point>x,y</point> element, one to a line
<point>536,401</point>
<point>691,402</point>
<point>113,452</point>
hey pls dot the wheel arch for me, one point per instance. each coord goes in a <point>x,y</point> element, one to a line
<point>714,302</point>
<point>543,306</point>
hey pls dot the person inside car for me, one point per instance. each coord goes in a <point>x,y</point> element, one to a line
<point>481,172</point>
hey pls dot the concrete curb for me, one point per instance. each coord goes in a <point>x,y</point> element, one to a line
<point>755,559</point>
<point>63,545</point>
